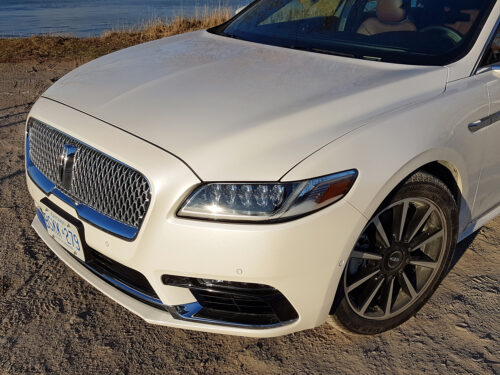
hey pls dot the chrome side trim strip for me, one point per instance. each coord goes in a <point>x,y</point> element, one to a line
<point>84,212</point>
<point>484,122</point>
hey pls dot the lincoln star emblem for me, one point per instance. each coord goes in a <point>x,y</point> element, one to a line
<point>66,161</point>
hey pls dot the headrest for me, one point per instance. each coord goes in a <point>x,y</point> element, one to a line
<point>390,11</point>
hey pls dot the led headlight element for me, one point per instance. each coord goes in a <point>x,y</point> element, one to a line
<point>266,201</point>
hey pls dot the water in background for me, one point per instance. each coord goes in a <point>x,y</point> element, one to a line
<point>92,17</point>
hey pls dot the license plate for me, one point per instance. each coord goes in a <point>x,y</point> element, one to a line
<point>63,232</point>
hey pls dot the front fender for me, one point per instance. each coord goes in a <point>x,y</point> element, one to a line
<point>395,145</point>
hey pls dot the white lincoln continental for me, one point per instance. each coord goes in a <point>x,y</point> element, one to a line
<point>306,161</point>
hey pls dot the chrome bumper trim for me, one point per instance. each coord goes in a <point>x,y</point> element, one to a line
<point>188,312</point>
<point>125,288</point>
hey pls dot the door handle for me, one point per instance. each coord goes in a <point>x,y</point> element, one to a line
<point>477,125</point>
<point>484,122</point>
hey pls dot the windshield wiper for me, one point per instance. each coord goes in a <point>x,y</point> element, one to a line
<point>372,58</point>
<point>333,53</point>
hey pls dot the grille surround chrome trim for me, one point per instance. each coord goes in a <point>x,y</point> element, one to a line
<point>85,212</point>
<point>99,181</point>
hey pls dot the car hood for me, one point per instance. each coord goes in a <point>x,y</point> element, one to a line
<point>236,110</point>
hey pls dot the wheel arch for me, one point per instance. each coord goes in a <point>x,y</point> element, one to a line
<point>448,174</point>
<point>445,165</point>
<point>442,169</point>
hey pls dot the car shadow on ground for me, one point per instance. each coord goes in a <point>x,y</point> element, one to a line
<point>460,250</point>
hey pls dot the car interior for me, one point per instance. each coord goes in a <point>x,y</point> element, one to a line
<point>428,32</point>
<point>492,54</point>
<point>389,16</point>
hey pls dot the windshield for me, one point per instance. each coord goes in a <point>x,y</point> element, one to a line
<point>423,32</point>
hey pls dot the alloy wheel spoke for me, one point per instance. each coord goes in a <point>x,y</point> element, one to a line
<point>365,255</point>
<point>402,222</point>
<point>410,230</point>
<point>429,239</point>
<point>409,286</point>
<point>381,232</point>
<point>421,223</point>
<point>423,263</point>
<point>371,297</point>
<point>388,304</point>
<point>363,280</point>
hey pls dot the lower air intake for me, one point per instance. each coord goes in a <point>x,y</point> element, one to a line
<point>235,302</point>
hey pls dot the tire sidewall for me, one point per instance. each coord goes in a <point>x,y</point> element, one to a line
<point>440,195</point>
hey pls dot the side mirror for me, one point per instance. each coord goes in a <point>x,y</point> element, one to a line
<point>239,10</point>
<point>495,68</point>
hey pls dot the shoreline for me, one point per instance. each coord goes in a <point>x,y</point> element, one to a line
<point>43,48</point>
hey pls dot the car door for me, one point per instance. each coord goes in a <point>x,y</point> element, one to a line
<point>488,194</point>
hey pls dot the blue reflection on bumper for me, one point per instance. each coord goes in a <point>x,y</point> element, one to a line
<point>41,218</point>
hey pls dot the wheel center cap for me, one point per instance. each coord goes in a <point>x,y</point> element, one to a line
<point>395,258</point>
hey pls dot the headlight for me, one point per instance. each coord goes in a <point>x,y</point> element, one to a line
<point>266,201</point>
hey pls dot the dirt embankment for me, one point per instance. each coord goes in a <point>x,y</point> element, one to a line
<point>48,48</point>
<point>53,322</point>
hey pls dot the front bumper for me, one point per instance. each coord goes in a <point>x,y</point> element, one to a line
<point>302,259</point>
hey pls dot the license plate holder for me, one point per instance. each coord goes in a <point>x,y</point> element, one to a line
<point>64,229</point>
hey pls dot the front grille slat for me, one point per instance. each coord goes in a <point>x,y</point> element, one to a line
<point>99,181</point>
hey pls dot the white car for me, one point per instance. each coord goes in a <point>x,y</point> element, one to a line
<point>304,160</point>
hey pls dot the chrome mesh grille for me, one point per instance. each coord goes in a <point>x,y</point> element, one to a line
<point>100,182</point>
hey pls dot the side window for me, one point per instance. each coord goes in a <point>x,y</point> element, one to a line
<point>370,6</point>
<point>492,54</point>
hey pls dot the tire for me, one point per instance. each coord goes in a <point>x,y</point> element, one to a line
<point>399,259</point>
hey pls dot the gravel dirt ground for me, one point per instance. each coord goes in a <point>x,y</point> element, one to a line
<point>51,321</point>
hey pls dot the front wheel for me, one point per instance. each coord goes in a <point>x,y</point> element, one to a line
<point>399,259</point>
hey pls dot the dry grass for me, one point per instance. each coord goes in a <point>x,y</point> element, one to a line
<point>45,48</point>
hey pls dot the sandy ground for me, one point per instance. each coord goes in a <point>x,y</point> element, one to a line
<point>53,322</point>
